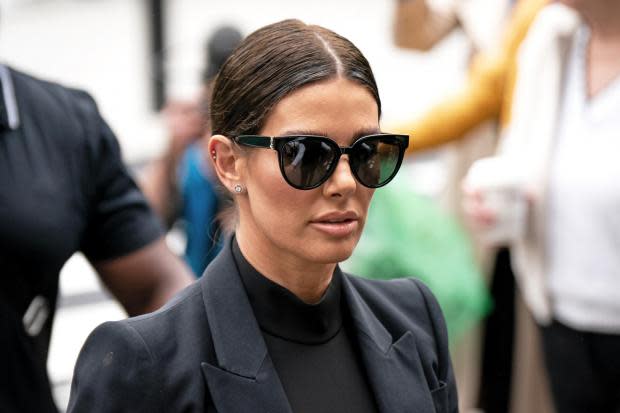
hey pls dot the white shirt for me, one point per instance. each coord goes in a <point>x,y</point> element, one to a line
<point>583,221</point>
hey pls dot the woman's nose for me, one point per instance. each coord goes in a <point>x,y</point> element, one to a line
<point>342,182</point>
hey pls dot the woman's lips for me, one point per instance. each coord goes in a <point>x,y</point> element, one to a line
<point>342,228</point>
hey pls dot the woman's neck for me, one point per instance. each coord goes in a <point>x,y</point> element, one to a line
<point>603,55</point>
<point>307,280</point>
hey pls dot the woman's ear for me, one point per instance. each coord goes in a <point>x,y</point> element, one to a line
<point>225,160</point>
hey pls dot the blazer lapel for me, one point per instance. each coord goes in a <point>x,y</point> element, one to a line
<point>244,378</point>
<point>394,368</point>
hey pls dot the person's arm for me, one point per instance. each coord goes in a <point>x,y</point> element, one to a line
<point>144,280</point>
<point>486,95</point>
<point>478,101</point>
<point>123,239</point>
<point>418,26</point>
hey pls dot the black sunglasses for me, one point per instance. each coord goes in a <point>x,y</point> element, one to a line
<point>307,161</point>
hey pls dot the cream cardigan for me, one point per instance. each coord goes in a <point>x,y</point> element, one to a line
<point>529,137</point>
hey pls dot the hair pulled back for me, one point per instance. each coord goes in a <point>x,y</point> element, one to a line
<point>274,61</point>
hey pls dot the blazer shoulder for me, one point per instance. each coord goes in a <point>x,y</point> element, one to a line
<point>121,362</point>
<point>113,371</point>
<point>182,315</point>
<point>405,304</point>
<point>407,295</point>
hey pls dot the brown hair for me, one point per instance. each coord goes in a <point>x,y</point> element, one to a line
<point>274,61</point>
<point>271,63</point>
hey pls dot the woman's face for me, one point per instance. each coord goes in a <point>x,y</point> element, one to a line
<point>321,225</point>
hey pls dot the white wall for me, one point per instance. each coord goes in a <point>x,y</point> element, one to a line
<point>408,81</point>
<point>101,45</point>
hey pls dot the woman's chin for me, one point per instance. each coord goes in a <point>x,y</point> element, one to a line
<point>333,254</point>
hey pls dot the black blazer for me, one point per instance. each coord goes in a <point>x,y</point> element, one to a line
<point>204,352</point>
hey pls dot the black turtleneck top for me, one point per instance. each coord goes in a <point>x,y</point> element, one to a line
<point>312,346</point>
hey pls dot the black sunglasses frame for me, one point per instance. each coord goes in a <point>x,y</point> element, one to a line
<point>277,142</point>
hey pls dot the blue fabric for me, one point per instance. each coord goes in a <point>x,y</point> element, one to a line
<point>199,211</point>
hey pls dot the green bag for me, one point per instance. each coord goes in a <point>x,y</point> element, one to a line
<point>407,234</point>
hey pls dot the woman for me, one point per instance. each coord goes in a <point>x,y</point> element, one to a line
<point>564,141</point>
<point>273,325</point>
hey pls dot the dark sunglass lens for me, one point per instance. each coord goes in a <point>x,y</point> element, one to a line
<point>306,161</point>
<point>375,160</point>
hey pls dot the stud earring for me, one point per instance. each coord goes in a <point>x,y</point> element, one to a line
<point>214,155</point>
<point>238,188</point>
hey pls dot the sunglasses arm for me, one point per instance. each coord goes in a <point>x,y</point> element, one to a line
<point>256,141</point>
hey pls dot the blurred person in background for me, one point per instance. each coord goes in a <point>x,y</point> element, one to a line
<point>469,122</point>
<point>274,325</point>
<point>423,24</point>
<point>63,189</point>
<point>563,143</point>
<point>487,92</point>
<point>181,184</point>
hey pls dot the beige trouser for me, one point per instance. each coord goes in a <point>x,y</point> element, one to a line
<point>530,387</point>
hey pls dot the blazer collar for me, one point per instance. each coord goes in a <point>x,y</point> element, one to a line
<point>365,321</point>
<point>393,366</point>
<point>238,341</point>
<point>244,378</point>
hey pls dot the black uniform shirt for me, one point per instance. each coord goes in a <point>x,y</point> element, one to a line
<point>63,188</point>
